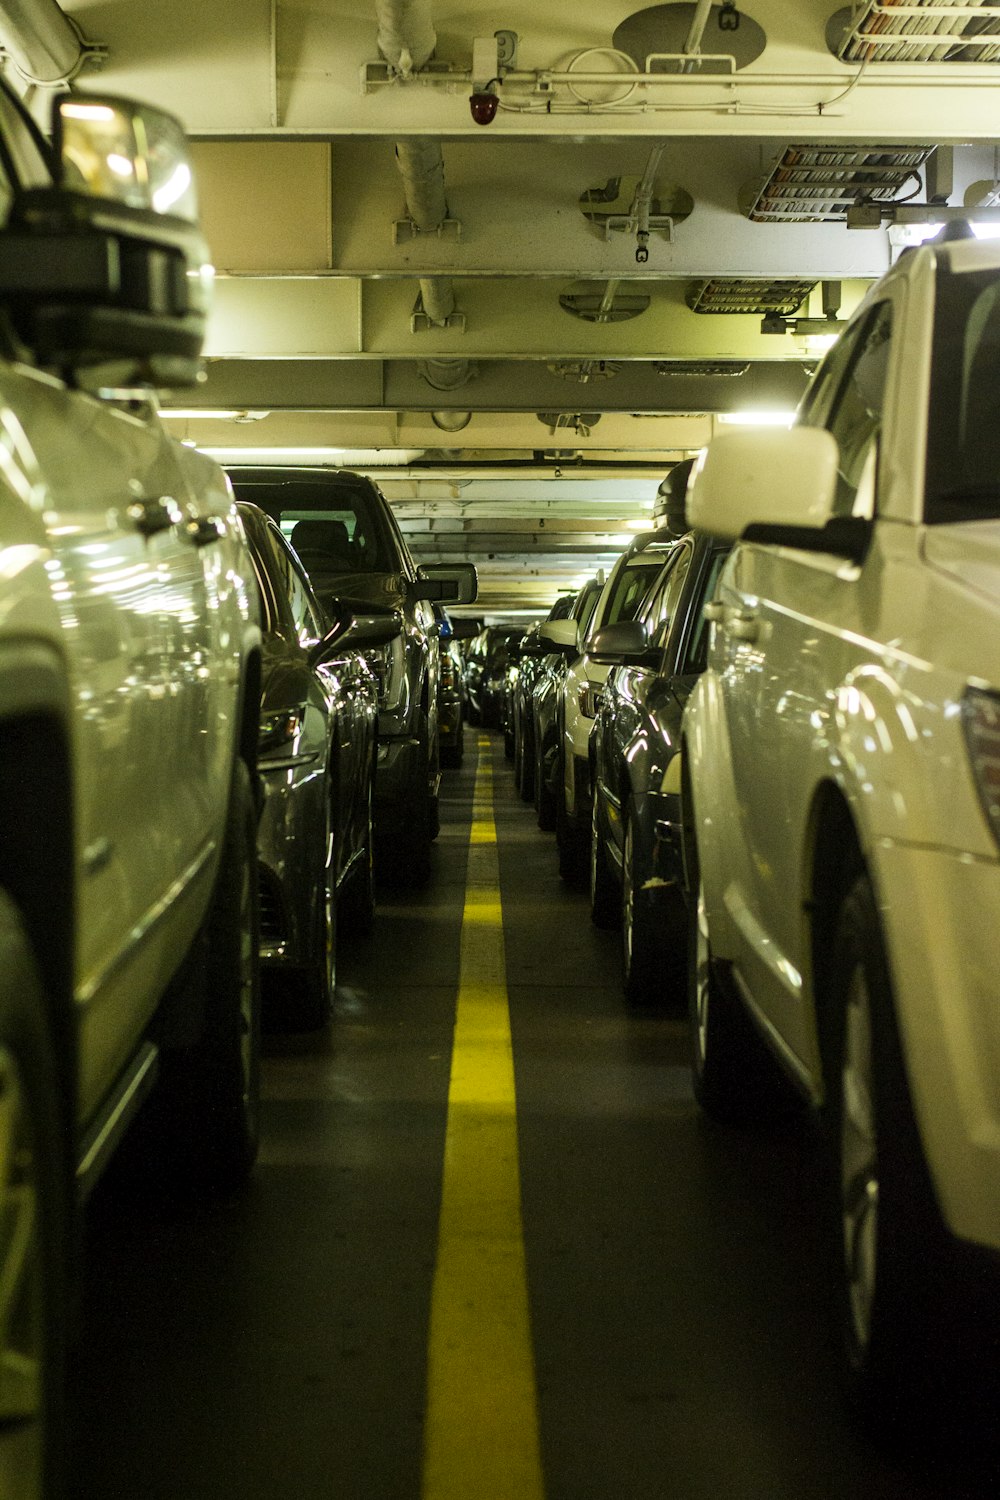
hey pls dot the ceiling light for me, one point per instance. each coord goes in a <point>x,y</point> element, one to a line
<point>757,418</point>
<point>195,414</point>
<point>451,421</point>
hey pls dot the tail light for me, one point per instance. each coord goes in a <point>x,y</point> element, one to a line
<point>981,722</point>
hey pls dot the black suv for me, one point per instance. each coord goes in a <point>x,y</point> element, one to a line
<point>344,532</point>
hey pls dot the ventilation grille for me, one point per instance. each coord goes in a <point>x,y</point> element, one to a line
<point>818,184</point>
<point>880,33</point>
<point>734,296</point>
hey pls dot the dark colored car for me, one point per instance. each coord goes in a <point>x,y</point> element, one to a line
<point>565,639</point>
<point>635,870</point>
<point>486,668</point>
<point>532,655</point>
<point>316,758</point>
<point>342,528</point>
<point>451,692</point>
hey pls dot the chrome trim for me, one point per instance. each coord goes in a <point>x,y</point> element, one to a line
<point>99,1143</point>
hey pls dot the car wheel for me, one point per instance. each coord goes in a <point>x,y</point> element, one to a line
<point>404,853</point>
<point>451,755</point>
<point>356,905</point>
<point>604,902</point>
<point>206,1107</point>
<point>321,973</point>
<point>518,757</point>
<point>642,933</point>
<point>545,802</point>
<point>34,1208</point>
<point>508,741</point>
<point>890,1246</point>
<point>736,1079</point>
<point>571,844</point>
<point>526,785</point>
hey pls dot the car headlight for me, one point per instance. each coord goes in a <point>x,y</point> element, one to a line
<point>981,722</point>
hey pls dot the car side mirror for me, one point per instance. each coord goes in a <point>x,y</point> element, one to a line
<point>445,583</point>
<point>626,643</point>
<point>355,631</point>
<point>560,635</point>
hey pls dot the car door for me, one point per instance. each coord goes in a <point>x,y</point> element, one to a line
<point>791,621</point>
<point>131,595</point>
<point>638,691</point>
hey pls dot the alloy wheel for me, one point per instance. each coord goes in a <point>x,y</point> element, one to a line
<point>21,1314</point>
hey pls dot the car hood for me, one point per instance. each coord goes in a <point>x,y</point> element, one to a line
<point>969,552</point>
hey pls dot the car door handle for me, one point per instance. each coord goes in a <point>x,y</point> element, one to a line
<point>150,516</point>
<point>202,530</point>
<point>714,611</point>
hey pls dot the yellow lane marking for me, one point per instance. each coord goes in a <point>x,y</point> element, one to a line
<point>481,1436</point>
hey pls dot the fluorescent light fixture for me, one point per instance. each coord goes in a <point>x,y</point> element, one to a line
<point>194,414</point>
<point>757,418</point>
<point>905,236</point>
<point>642,525</point>
<point>344,457</point>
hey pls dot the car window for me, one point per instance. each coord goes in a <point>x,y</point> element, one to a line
<point>334,526</point>
<point>305,621</point>
<point>696,655</point>
<point>963,471</point>
<point>658,611</point>
<point>856,415</point>
<point>631,588</point>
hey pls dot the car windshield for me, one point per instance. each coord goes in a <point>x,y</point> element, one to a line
<point>963,461</point>
<point>335,527</point>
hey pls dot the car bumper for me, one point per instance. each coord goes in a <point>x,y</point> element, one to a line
<point>449,723</point>
<point>941,914</point>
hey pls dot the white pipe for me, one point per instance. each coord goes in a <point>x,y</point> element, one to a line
<point>699,21</point>
<point>43,43</point>
<point>438,296</point>
<point>421,167</point>
<point>406,36</point>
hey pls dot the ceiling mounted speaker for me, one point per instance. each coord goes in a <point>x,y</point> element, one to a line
<point>668,28</point>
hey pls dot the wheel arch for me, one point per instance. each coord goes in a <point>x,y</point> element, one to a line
<point>834,859</point>
<point>37,866</point>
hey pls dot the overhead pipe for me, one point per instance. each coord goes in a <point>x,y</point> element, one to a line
<point>43,43</point>
<point>696,31</point>
<point>406,39</point>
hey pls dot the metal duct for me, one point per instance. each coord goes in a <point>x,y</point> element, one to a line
<point>406,36</point>
<point>406,39</point>
<point>44,45</point>
<point>421,167</point>
<point>448,374</point>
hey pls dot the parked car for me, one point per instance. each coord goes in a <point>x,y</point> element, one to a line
<point>343,530</point>
<point>451,692</point>
<point>316,758</point>
<point>532,653</point>
<point>580,692</point>
<point>653,662</point>
<point>130,653</point>
<point>841,818</point>
<point>565,641</point>
<point>486,668</point>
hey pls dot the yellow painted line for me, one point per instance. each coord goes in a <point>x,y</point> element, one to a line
<point>481,1435</point>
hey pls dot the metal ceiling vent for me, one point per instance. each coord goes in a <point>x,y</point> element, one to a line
<point>818,184</point>
<point>736,296</point>
<point>932,31</point>
<point>673,36</point>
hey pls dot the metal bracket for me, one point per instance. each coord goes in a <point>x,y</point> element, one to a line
<point>408,229</point>
<point>421,322</point>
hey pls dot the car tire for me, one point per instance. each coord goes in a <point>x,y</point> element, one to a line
<point>889,1245</point>
<point>518,756</point>
<point>643,928</point>
<point>320,974</point>
<point>205,1110</point>
<point>356,904</point>
<point>451,755</point>
<point>34,1234</point>
<point>526,783</point>
<point>545,802</point>
<point>508,742</point>
<point>605,905</point>
<point>404,852</point>
<point>571,844</point>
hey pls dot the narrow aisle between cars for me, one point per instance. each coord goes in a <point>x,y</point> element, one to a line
<point>278,1344</point>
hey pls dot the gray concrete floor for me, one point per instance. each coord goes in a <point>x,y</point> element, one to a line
<point>274,1347</point>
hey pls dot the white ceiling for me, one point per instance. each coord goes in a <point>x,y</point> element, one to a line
<point>317,333</point>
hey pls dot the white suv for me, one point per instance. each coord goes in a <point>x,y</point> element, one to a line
<point>129,701</point>
<point>842,800</point>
